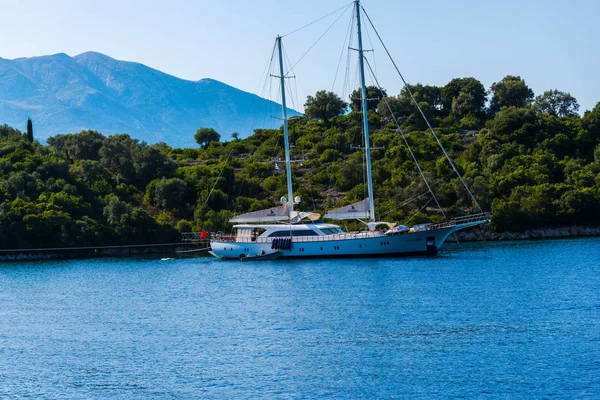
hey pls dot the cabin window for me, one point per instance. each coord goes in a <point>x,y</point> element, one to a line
<point>300,232</point>
<point>257,232</point>
<point>331,231</point>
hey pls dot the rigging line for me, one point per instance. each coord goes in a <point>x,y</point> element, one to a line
<point>294,100</point>
<point>297,97</point>
<point>241,188</point>
<point>294,95</point>
<point>373,49</point>
<point>344,48</point>
<point>439,182</point>
<point>417,213</point>
<point>267,83</point>
<point>288,91</point>
<point>275,149</point>
<point>266,71</point>
<point>402,134</point>
<point>423,114</point>
<point>317,41</point>
<point>356,85</point>
<point>267,90</point>
<point>320,19</point>
<point>293,91</point>
<point>217,180</point>
<point>311,188</point>
<point>346,84</point>
<point>403,204</point>
<point>348,57</point>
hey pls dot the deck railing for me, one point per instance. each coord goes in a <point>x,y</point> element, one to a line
<point>301,239</point>
<point>465,219</point>
<point>190,236</point>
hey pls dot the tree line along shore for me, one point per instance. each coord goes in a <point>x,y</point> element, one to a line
<point>534,162</point>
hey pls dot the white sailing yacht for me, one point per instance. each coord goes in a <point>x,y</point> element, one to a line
<point>283,232</point>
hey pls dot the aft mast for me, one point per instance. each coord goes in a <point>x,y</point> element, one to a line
<point>288,164</point>
<point>365,115</point>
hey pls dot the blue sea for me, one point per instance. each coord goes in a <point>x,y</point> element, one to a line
<point>491,320</point>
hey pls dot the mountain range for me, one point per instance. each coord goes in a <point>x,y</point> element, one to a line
<point>64,94</point>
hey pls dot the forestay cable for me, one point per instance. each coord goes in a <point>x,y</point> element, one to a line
<point>317,41</point>
<point>320,19</point>
<point>402,134</point>
<point>423,114</point>
<point>217,180</point>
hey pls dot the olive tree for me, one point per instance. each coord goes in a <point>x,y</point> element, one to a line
<point>324,105</point>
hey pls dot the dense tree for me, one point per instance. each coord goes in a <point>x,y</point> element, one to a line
<point>170,194</point>
<point>204,136</point>
<point>116,155</point>
<point>391,108</point>
<point>591,121</point>
<point>518,125</point>
<point>511,91</point>
<point>559,104</point>
<point>405,111</point>
<point>92,174</point>
<point>141,228</point>
<point>374,96</point>
<point>462,96</point>
<point>324,105</point>
<point>84,145</point>
<point>432,95</point>
<point>9,134</point>
<point>21,184</point>
<point>151,162</point>
<point>115,209</point>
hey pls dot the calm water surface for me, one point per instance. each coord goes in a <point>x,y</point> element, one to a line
<point>519,319</point>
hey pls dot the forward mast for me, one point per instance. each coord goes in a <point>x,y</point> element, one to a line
<point>365,115</point>
<point>288,164</point>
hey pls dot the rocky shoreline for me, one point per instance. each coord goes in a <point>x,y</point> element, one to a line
<point>486,233</point>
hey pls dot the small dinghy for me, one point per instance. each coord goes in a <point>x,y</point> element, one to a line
<point>260,257</point>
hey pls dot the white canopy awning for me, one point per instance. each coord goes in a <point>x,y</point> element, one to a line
<point>298,216</point>
<point>275,214</point>
<point>269,215</point>
<point>358,210</point>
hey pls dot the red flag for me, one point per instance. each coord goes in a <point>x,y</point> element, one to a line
<point>203,234</point>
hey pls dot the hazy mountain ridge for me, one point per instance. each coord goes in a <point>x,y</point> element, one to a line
<point>65,94</point>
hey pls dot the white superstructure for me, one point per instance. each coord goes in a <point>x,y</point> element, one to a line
<point>320,239</point>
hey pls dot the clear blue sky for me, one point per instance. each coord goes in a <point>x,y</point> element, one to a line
<point>551,44</point>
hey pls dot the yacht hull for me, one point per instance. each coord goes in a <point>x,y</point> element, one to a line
<point>344,245</point>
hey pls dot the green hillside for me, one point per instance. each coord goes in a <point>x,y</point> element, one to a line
<point>533,162</point>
